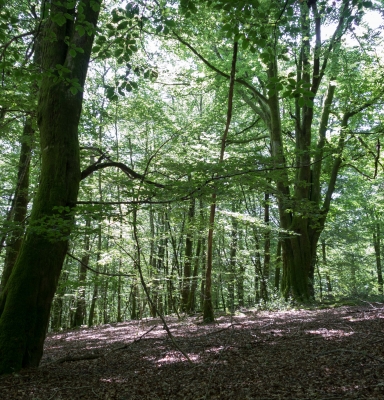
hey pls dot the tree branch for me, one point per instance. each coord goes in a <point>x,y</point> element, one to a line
<point>97,272</point>
<point>128,171</point>
<point>224,74</point>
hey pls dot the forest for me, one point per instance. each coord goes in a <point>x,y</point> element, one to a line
<point>163,160</point>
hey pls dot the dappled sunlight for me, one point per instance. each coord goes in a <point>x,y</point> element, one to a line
<point>239,356</point>
<point>330,334</point>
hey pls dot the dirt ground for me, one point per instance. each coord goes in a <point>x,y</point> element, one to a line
<point>306,354</point>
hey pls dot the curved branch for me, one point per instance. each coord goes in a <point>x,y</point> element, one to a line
<point>128,171</point>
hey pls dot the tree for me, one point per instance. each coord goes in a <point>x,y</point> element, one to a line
<point>26,300</point>
<point>287,97</point>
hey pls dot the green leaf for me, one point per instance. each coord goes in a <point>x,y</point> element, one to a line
<point>80,30</point>
<point>245,44</point>
<point>170,23</point>
<point>308,93</point>
<point>110,92</point>
<point>95,5</point>
<point>73,90</point>
<point>118,52</point>
<point>274,79</point>
<point>301,101</point>
<point>261,42</point>
<point>122,25</point>
<point>59,19</point>
<point>285,94</point>
<point>309,103</point>
<point>72,52</point>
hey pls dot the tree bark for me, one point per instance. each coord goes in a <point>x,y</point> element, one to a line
<point>79,316</point>
<point>19,204</point>
<point>26,300</point>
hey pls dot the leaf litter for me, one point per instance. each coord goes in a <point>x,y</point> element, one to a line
<point>304,354</point>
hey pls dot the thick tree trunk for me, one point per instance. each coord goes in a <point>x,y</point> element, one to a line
<point>26,300</point>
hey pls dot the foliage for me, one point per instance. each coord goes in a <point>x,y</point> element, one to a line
<point>154,112</point>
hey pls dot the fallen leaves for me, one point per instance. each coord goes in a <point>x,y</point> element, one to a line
<point>320,354</point>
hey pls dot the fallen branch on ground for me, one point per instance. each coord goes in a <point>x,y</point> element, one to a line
<point>94,356</point>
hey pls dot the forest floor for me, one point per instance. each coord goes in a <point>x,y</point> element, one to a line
<point>304,354</point>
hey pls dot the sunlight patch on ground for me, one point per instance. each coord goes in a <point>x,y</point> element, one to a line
<point>172,358</point>
<point>330,333</point>
<point>365,317</point>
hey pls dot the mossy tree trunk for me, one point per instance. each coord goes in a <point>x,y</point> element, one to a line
<point>26,300</point>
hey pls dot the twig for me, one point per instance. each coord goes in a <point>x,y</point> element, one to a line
<point>76,358</point>
<point>98,355</point>
<point>135,341</point>
<point>97,272</point>
<point>224,329</point>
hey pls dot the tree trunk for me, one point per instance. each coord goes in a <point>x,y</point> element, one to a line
<point>187,273</point>
<point>377,246</point>
<point>267,250</point>
<point>278,266</point>
<point>58,303</point>
<point>19,204</point>
<point>327,277</point>
<point>26,300</point>
<point>208,314</point>
<point>200,245</point>
<point>232,263</point>
<point>79,316</point>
